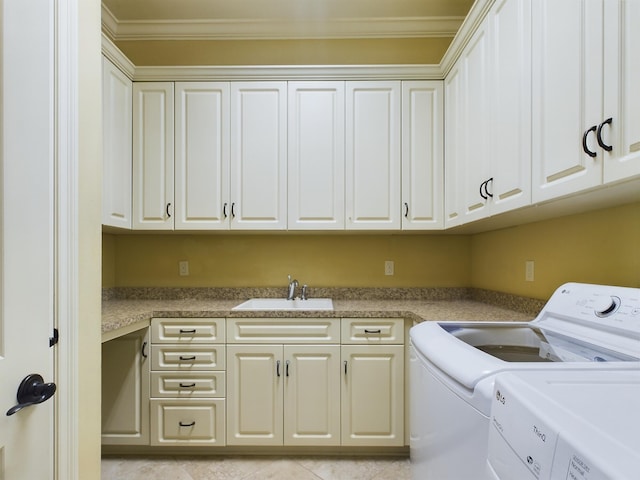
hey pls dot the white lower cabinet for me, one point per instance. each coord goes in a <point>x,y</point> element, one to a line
<point>125,390</point>
<point>188,384</point>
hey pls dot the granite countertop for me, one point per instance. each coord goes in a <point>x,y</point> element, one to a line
<point>124,316</point>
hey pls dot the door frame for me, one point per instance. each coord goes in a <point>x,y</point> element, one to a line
<point>77,237</point>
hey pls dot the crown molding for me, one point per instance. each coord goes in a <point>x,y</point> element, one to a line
<point>277,29</point>
<point>118,58</point>
<point>289,72</point>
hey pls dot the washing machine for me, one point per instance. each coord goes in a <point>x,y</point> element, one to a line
<point>453,366</point>
<point>565,425</point>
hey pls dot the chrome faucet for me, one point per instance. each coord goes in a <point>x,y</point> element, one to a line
<point>293,284</point>
<point>303,294</point>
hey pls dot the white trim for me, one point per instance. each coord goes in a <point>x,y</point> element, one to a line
<point>66,249</point>
<point>290,72</point>
<point>116,57</point>
<point>261,29</point>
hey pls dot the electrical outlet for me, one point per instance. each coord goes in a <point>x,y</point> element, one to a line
<point>388,267</point>
<point>183,268</point>
<point>528,270</point>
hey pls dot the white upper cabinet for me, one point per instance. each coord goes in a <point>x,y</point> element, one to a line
<point>453,147</point>
<point>116,146</point>
<point>153,122</point>
<point>258,155</point>
<point>622,92</point>
<point>422,155</point>
<point>373,155</point>
<point>488,118</point>
<point>510,105</point>
<point>585,108</point>
<point>316,155</point>
<point>202,156</point>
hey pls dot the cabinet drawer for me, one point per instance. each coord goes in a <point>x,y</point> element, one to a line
<point>187,384</point>
<point>187,330</point>
<point>191,422</point>
<point>283,330</point>
<point>187,357</point>
<point>373,331</point>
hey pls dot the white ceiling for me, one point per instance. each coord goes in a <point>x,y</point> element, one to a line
<point>274,19</point>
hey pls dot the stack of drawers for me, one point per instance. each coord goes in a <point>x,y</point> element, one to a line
<point>188,381</point>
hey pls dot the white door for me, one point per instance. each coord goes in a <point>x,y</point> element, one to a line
<point>422,151</point>
<point>153,122</point>
<point>316,156</point>
<point>373,155</point>
<point>26,233</point>
<point>202,156</point>
<point>259,155</point>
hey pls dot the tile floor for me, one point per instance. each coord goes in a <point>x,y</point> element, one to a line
<point>255,468</point>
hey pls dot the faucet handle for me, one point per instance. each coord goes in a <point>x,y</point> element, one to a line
<point>303,295</point>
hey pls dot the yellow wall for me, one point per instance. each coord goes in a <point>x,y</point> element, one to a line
<point>287,52</point>
<point>596,247</point>
<point>265,260</point>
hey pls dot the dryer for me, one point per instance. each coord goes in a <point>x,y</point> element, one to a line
<point>565,425</point>
<point>453,366</point>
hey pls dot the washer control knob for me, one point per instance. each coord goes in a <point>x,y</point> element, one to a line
<point>606,306</point>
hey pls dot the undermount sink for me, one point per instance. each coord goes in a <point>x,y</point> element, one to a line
<point>284,304</point>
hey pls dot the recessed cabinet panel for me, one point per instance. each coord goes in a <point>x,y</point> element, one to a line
<point>188,357</point>
<point>259,155</point>
<point>373,395</point>
<point>116,146</point>
<point>187,384</point>
<point>316,156</point>
<point>255,381</point>
<point>283,330</point>
<point>373,155</point>
<point>372,331</point>
<point>312,395</point>
<point>567,96</point>
<point>153,156</point>
<point>422,155</point>
<point>188,422</point>
<point>202,155</point>
<point>188,330</point>
<point>125,390</point>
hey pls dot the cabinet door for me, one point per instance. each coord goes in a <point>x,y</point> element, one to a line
<point>567,96</point>
<point>373,155</point>
<point>316,156</point>
<point>116,146</point>
<point>373,395</point>
<point>125,390</point>
<point>153,156</point>
<point>453,151</point>
<point>510,90</point>
<point>422,155</point>
<point>312,395</point>
<point>475,125</point>
<point>202,156</point>
<point>259,155</point>
<point>255,375</point>
<point>622,95</point>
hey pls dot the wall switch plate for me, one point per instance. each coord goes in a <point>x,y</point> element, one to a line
<point>528,270</point>
<point>183,268</point>
<point>388,267</point>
